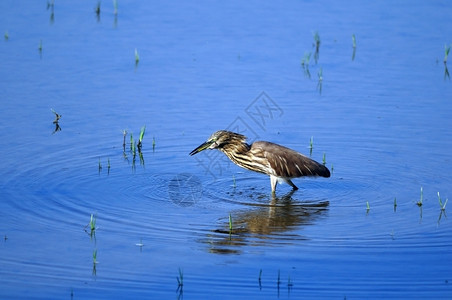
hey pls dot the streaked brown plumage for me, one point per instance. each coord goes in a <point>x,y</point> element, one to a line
<point>281,163</point>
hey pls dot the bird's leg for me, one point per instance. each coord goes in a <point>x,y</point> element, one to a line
<point>292,185</point>
<point>273,182</point>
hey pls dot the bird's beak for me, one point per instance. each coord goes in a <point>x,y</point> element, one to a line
<point>202,147</point>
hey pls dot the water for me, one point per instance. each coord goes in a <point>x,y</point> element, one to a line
<point>381,117</point>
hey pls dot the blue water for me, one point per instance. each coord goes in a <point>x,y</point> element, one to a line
<point>380,116</point>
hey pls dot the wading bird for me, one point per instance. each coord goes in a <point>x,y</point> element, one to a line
<point>281,163</point>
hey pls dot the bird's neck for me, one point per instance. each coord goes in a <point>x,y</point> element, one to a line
<point>232,150</point>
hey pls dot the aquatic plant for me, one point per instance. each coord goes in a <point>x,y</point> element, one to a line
<point>6,35</point>
<point>316,41</point>
<point>446,52</point>
<point>324,158</point>
<point>230,223</point>
<point>124,134</point>
<point>289,282</point>
<point>395,204</point>
<point>317,46</point>
<point>108,165</point>
<point>153,143</point>
<point>443,206</point>
<point>180,279</point>
<point>368,206</point>
<point>320,74</point>
<point>132,143</point>
<point>57,116</point>
<point>40,46</point>
<point>97,9</point>
<point>95,261</point>
<point>306,59</point>
<point>100,165</point>
<point>311,145</point>
<point>320,82</point>
<point>92,223</point>
<point>419,203</point>
<point>140,244</point>
<point>140,139</point>
<point>137,57</point>
<point>354,40</point>
<point>115,7</point>
<point>278,282</point>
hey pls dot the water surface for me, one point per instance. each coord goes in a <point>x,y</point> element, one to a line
<point>380,116</point>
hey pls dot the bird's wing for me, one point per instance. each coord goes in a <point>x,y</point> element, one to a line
<point>285,162</point>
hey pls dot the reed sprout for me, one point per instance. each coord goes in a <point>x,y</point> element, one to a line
<point>446,52</point>
<point>419,203</point>
<point>97,9</point>
<point>354,40</point>
<point>95,261</point>
<point>441,204</point>
<point>40,46</point>
<point>306,59</point>
<point>368,206</point>
<point>115,7</point>
<point>180,279</point>
<point>6,36</point>
<point>137,57</point>
<point>230,223</point>
<point>324,158</point>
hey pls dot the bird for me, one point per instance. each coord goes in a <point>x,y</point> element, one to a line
<point>282,164</point>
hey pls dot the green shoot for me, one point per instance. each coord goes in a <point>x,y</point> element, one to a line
<point>306,59</point>
<point>180,279</point>
<point>97,9</point>
<point>95,257</point>
<point>311,142</point>
<point>324,158</point>
<point>443,206</point>
<point>115,6</point>
<point>320,74</point>
<point>354,40</point>
<point>108,163</point>
<point>260,275</point>
<point>92,222</point>
<point>368,206</point>
<point>100,165</point>
<point>419,203</point>
<point>317,41</point>
<point>332,168</point>
<point>124,134</point>
<point>143,129</point>
<point>57,116</point>
<point>132,143</point>
<point>6,36</point>
<point>40,46</point>
<point>153,143</point>
<point>230,223</point>
<point>446,53</point>
<point>137,57</point>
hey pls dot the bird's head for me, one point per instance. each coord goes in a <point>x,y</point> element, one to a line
<point>219,139</point>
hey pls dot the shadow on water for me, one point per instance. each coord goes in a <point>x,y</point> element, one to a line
<point>265,224</point>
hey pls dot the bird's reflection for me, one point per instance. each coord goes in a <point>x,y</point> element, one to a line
<point>261,224</point>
